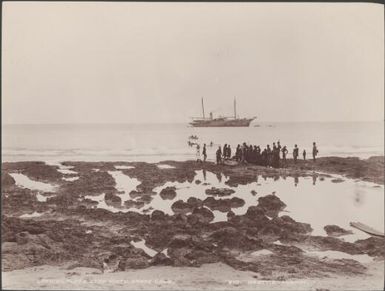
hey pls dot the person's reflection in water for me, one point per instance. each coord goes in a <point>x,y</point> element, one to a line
<point>358,197</point>
<point>314,179</point>
<point>296,181</point>
<point>204,174</point>
<point>219,177</point>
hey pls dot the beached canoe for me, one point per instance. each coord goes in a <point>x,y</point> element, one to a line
<point>367,229</point>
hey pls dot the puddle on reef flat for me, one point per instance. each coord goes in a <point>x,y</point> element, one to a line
<point>23,181</point>
<point>142,245</point>
<point>165,166</point>
<point>125,184</point>
<point>308,199</point>
<point>31,215</point>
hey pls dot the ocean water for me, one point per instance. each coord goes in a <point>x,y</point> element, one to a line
<point>157,142</point>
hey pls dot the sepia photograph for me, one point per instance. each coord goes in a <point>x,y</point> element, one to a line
<point>192,146</point>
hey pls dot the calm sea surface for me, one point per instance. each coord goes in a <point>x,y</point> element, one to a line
<point>156,142</point>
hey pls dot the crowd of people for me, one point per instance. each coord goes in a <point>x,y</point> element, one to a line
<point>274,156</point>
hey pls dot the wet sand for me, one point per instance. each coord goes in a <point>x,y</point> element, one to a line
<point>53,215</point>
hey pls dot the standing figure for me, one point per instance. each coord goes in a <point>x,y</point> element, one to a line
<point>284,153</point>
<point>228,152</point>
<point>238,153</point>
<point>219,155</point>
<point>295,153</point>
<point>276,157</point>
<point>304,155</point>
<point>264,158</point>
<point>204,153</point>
<point>268,155</point>
<point>243,153</point>
<point>198,153</point>
<point>315,151</point>
<point>279,146</point>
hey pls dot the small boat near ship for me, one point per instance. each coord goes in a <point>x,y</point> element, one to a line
<point>221,121</point>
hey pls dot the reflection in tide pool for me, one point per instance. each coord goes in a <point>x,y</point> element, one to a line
<point>308,199</point>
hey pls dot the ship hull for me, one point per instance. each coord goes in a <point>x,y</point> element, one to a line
<point>244,122</point>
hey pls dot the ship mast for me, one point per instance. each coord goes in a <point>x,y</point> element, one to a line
<point>235,109</point>
<point>203,109</point>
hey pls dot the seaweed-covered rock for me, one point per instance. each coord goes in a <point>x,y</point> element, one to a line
<point>133,194</point>
<point>113,198</point>
<point>337,180</point>
<point>7,180</point>
<point>271,204</point>
<point>202,215</point>
<point>373,246</point>
<point>161,259</point>
<point>223,205</point>
<point>158,215</point>
<point>181,207</point>
<point>330,243</point>
<point>290,227</point>
<point>142,193</point>
<point>188,250</point>
<point>136,263</point>
<point>256,213</point>
<point>233,238</point>
<point>168,193</point>
<point>133,204</point>
<point>194,202</point>
<point>335,230</point>
<point>219,191</point>
<point>145,198</point>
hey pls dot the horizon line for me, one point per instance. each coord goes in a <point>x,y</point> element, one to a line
<point>165,123</point>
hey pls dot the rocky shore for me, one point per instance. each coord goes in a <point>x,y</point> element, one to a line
<point>71,230</point>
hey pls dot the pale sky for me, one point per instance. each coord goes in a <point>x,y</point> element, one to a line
<point>152,62</point>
